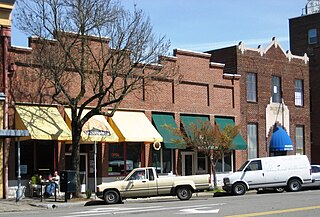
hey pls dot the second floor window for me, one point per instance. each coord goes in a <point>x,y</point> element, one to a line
<point>299,140</point>
<point>252,87</point>
<point>312,36</point>
<point>298,92</point>
<point>276,89</point>
<point>252,140</point>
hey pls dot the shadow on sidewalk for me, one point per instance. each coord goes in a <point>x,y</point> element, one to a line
<point>95,203</point>
<point>221,194</point>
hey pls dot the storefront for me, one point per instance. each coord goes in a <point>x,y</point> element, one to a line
<point>167,158</point>
<point>40,151</point>
<point>136,136</point>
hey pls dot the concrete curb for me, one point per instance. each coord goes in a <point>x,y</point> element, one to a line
<point>57,205</point>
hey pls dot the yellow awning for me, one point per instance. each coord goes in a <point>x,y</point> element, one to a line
<point>43,123</point>
<point>96,128</point>
<point>134,127</point>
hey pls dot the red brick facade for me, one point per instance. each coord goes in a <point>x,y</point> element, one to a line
<point>299,44</point>
<point>266,63</point>
<point>202,89</point>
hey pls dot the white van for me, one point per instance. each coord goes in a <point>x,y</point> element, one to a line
<point>288,172</point>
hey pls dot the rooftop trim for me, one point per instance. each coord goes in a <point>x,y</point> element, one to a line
<point>276,44</point>
<point>215,64</point>
<point>193,53</point>
<point>231,76</point>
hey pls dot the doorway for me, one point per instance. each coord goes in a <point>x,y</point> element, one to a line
<point>83,169</point>
<point>187,163</point>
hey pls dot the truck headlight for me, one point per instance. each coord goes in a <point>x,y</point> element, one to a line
<point>226,181</point>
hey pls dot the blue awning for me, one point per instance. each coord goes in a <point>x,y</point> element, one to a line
<point>280,140</point>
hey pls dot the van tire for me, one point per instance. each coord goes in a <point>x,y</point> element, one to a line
<point>239,189</point>
<point>111,197</point>
<point>184,193</point>
<point>294,185</point>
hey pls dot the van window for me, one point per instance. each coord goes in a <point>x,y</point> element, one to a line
<point>254,165</point>
<point>243,166</point>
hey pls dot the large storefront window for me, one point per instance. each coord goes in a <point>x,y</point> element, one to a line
<point>224,164</point>
<point>36,156</point>
<point>117,160</point>
<point>133,156</point>
<point>162,160</point>
<point>201,161</point>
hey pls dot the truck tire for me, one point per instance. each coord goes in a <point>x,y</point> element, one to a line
<point>184,193</point>
<point>238,189</point>
<point>294,185</point>
<point>111,197</point>
<point>279,190</point>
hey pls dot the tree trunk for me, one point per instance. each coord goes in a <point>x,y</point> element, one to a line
<point>214,173</point>
<point>75,157</point>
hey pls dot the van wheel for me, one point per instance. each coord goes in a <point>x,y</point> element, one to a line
<point>294,185</point>
<point>184,193</point>
<point>238,189</point>
<point>111,197</point>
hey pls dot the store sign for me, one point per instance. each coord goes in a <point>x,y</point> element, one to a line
<point>97,132</point>
<point>94,127</point>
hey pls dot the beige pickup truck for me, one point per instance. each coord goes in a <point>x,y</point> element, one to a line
<point>144,182</point>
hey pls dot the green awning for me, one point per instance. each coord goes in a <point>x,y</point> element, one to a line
<point>160,121</point>
<point>188,120</point>
<point>239,142</point>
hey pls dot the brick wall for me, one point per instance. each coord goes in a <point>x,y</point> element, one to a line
<point>200,89</point>
<point>267,62</point>
<point>298,28</point>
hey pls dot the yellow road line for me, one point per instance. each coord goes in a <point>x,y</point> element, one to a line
<point>276,211</point>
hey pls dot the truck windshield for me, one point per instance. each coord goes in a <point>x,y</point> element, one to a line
<point>243,166</point>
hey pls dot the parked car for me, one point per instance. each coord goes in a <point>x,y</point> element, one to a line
<point>315,177</point>
<point>288,172</point>
<point>144,182</point>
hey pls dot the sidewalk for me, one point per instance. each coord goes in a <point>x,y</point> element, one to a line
<point>10,205</point>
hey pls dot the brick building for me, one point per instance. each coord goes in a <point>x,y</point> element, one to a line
<point>274,91</point>
<point>196,95</point>
<point>304,38</point>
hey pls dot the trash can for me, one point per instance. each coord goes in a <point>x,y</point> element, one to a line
<point>68,182</point>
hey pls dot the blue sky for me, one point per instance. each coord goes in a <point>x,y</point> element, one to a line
<point>202,25</point>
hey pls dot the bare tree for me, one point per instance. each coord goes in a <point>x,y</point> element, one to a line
<point>208,139</point>
<point>90,53</point>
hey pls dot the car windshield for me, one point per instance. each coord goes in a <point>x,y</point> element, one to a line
<point>243,166</point>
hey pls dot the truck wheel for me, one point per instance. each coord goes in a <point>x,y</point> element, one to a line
<point>184,193</point>
<point>111,197</point>
<point>238,189</point>
<point>294,185</point>
<point>279,190</point>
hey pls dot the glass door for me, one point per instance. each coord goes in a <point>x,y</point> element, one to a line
<point>188,163</point>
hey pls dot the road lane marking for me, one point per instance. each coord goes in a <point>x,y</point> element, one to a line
<point>199,210</point>
<point>277,211</point>
<point>130,210</point>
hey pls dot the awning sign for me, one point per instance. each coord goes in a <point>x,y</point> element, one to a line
<point>95,127</point>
